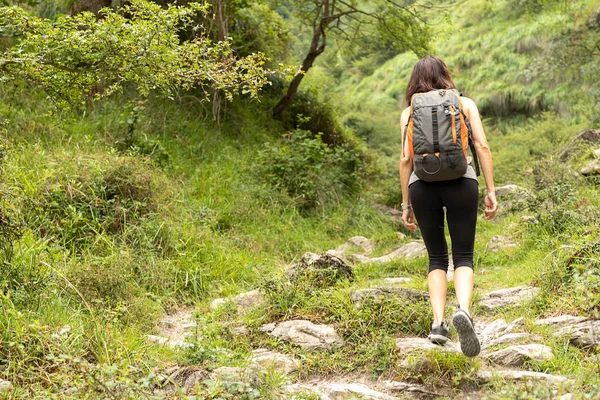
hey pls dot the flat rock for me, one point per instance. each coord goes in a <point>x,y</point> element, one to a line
<point>515,375</point>
<point>511,338</point>
<point>231,374</point>
<point>267,327</point>
<point>494,329</point>
<point>381,294</point>
<point>414,344</point>
<point>265,359</point>
<point>560,320</point>
<point>585,334</point>
<point>507,297</point>
<point>5,386</point>
<point>366,245</point>
<point>593,168</point>
<point>498,243</point>
<point>240,330</point>
<point>248,300</point>
<point>321,268</point>
<point>396,281</point>
<point>408,251</point>
<point>165,341</point>
<point>597,153</point>
<point>243,301</point>
<point>351,391</point>
<point>515,356</point>
<point>517,323</point>
<point>216,303</point>
<point>307,335</point>
<point>178,325</point>
<point>193,379</point>
<point>416,390</point>
<point>506,190</point>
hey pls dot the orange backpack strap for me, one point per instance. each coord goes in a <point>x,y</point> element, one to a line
<point>408,135</point>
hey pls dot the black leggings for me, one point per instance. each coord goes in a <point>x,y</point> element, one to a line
<point>460,197</point>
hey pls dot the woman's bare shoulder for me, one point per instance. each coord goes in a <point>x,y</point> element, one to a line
<point>468,103</point>
<point>405,113</point>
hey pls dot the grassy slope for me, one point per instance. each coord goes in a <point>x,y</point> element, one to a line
<point>227,232</point>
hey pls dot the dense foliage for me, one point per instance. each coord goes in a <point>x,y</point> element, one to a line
<point>78,59</point>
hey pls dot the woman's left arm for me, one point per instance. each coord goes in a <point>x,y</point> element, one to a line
<point>484,155</point>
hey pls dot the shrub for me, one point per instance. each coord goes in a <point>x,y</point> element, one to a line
<point>311,172</point>
<point>100,196</point>
<point>574,282</point>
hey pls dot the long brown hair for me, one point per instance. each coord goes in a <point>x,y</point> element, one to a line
<point>429,73</point>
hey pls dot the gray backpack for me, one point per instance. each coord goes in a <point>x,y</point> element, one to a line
<point>438,134</point>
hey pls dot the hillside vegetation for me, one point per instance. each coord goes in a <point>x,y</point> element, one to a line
<point>117,215</point>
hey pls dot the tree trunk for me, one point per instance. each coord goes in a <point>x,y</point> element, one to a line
<point>317,47</point>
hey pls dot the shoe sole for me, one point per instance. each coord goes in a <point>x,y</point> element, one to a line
<point>469,344</point>
<point>437,339</point>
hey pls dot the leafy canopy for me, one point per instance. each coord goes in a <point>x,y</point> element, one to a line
<point>78,59</point>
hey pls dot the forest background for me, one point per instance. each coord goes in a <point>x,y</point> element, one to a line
<point>138,179</point>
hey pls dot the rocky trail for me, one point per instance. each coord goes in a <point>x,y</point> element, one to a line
<point>507,346</point>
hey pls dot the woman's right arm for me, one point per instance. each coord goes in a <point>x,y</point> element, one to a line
<point>406,168</point>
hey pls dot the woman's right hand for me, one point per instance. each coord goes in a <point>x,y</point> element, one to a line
<point>408,218</point>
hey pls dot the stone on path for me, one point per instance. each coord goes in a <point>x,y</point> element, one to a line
<point>503,191</point>
<point>175,328</point>
<point>494,329</point>
<point>516,375</point>
<point>417,390</point>
<point>307,335</point>
<point>498,243</point>
<point>396,281</point>
<point>165,341</point>
<point>584,334</point>
<point>320,267</point>
<point>265,359</point>
<point>413,344</point>
<point>216,303</point>
<point>593,168</point>
<point>515,356</point>
<point>367,245</point>
<point>380,294</point>
<point>517,323</point>
<point>343,391</point>
<point>243,301</point>
<point>5,386</point>
<point>408,251</point>
<point>240,330</point>
<point>337,391</point>
<point>560,320</point>
<point>511,338</point>
<point>229,374</point>
<point>507,297</point>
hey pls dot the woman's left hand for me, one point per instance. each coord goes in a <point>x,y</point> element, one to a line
<point>491,205</point>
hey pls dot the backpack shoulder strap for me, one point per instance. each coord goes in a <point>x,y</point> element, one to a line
<point>471,143</point>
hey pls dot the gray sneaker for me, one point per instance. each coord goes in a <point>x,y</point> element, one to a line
<point>439,334</point>
<point>469,343</point>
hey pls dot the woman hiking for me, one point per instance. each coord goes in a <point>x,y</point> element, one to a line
<point>441,183</point>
